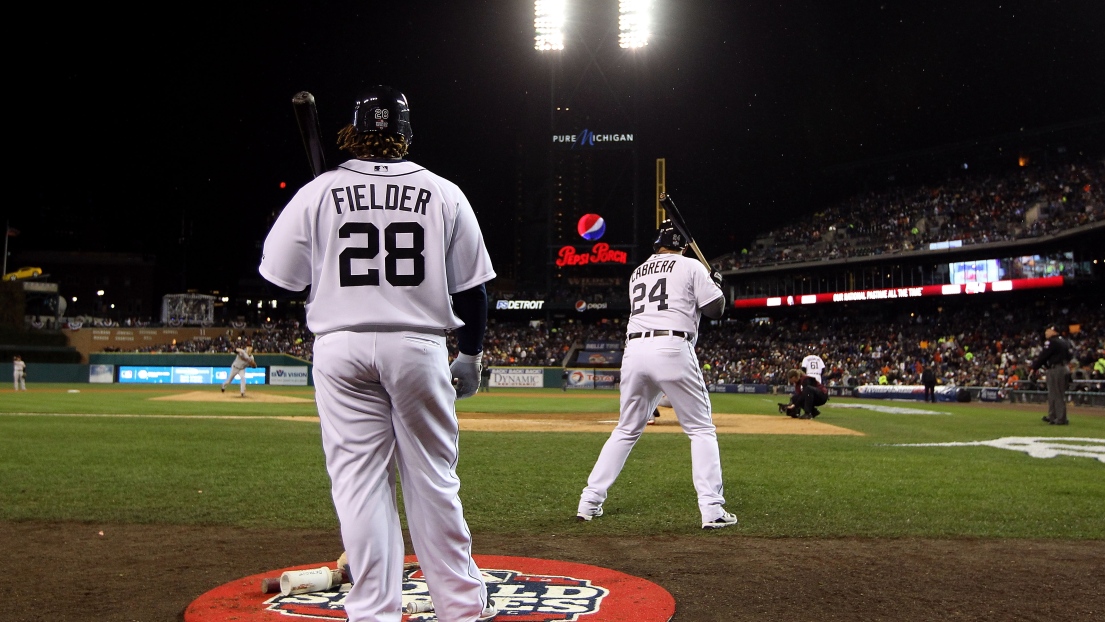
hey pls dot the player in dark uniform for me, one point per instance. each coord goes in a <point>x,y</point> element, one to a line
<point>1054,359</point>
<point>928,378</point>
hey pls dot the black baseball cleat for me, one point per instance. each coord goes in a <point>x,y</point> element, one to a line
<point>1047,420</point>
<point>814,412</point>
<point>1059,422</point>
<point>782,408</point>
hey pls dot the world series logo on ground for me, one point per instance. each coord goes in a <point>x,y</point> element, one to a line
<point>523,589</point>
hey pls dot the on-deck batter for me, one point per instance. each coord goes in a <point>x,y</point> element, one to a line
<point>383,243</point>
<point>668,294</point>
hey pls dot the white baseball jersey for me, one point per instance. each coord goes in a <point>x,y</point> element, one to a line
<point>243,359</point>
<point>380,244</point>
<point>666,292</point>
<point>18,369</point>
<point>814,366</point>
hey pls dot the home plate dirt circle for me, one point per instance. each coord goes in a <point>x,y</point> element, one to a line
<point>524,589</point>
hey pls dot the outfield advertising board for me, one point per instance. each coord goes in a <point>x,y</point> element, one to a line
<point>101,374</point>
<point>599,358</point>
<point>737,388</point>
<point>287,375</point>
<point>905,392</point>
<point>517,377</point>
<point>150,374</point>
<point>593,378</point>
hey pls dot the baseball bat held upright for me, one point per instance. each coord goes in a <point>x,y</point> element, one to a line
<point>306,115</point>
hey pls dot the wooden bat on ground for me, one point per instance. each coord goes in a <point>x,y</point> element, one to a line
<point>271,585</point>
<point>306,115</point>
<point>676,218</point>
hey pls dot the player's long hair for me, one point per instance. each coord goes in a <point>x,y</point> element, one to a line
<point>365,146</point>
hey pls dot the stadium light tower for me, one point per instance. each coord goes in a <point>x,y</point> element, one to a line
<point>634,23</point>
<point>548,24</point>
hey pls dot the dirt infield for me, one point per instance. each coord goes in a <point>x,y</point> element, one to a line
<point>233,395</point>
<point>604,422</point>
<point>150,573</point>
<point>563,422</point>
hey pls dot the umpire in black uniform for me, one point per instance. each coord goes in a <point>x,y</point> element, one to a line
<point>928,378</point>
<point>1055,357</point>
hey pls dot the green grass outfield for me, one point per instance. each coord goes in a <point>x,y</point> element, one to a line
<point>175,462</point>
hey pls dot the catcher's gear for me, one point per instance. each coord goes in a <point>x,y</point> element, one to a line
<point>383,110</point>
<point>667,236</point>
<point>466,374</point>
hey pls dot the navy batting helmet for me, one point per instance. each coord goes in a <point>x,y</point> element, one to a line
<point>383,110</point>
<point>668,236</point>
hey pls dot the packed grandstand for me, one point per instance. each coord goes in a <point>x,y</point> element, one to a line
<point>1021,204</point>
<point>969,342</point>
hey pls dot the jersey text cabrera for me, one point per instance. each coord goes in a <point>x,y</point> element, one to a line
<point>653,267</point>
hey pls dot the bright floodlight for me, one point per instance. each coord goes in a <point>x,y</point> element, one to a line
<point>633,23</point>
<point>548,24</point>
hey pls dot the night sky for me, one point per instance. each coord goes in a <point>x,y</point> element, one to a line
<point>168,132</point>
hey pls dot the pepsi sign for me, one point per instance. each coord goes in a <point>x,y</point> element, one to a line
<point>591,227</point>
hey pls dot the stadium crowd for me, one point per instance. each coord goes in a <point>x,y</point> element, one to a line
<point>988,347</point>
<point>282,337</point>
<point>984,346</point>
<point>1023,204</point>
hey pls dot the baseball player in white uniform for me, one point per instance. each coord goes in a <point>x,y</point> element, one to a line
<point>668,294</point>
<point>813,365</point>
<point>243,358</point>
<point>394,257</point>
<point>19,373</point>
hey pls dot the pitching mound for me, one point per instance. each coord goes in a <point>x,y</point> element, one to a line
<point>557,422</point>
<point>233,396</point>
<point>666,424</point>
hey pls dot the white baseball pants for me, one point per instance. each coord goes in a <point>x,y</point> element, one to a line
<point>386,402</point>
<point>650,367</point>
<point>240,372</point>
